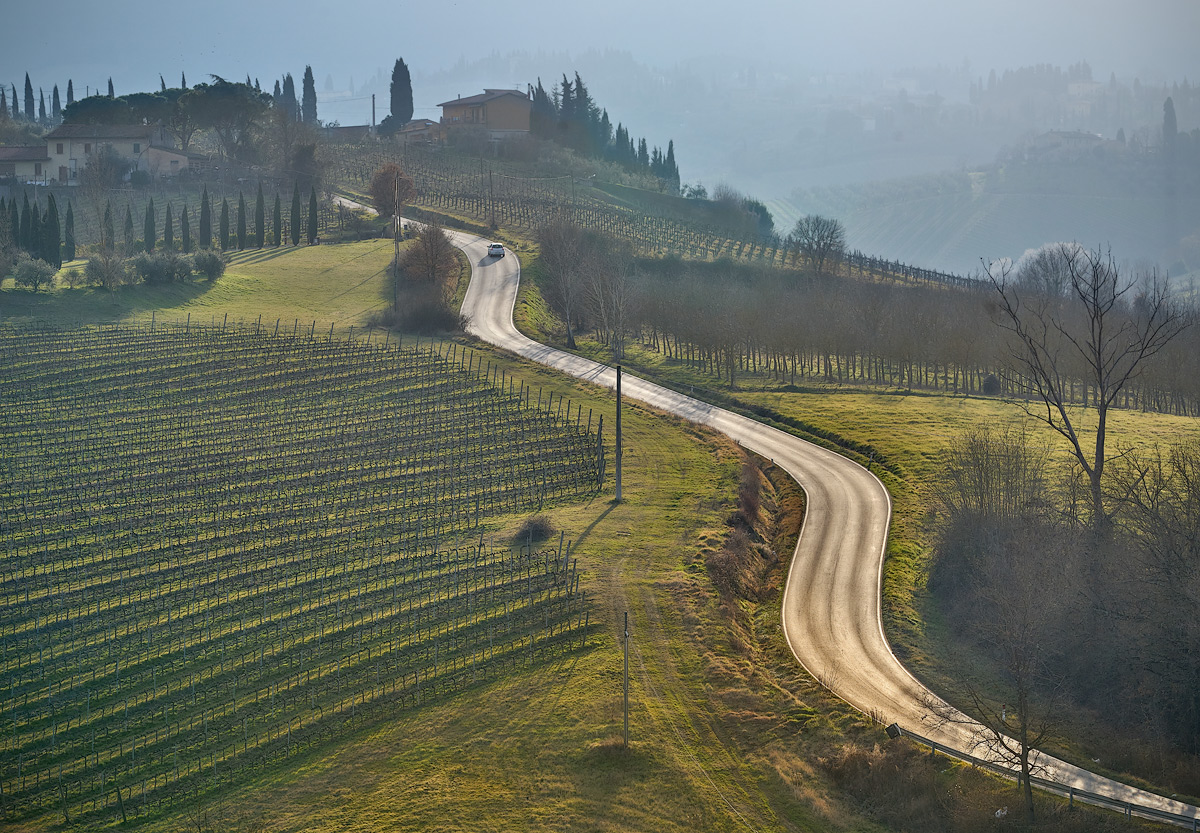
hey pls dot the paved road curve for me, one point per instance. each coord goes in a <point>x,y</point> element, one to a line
<point>831,604</point>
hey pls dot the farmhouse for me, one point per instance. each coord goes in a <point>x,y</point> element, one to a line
<point>502,114</point>
<point>24,163</point>
<point>147,147</point>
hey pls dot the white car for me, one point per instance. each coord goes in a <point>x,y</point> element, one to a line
<point>495,250</point>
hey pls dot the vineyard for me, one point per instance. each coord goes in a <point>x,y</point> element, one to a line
<point>227,546</point>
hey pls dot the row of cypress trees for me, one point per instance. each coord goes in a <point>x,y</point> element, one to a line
<point>42,234</point>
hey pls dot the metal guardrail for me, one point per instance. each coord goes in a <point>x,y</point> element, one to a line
<point>1128,808</point>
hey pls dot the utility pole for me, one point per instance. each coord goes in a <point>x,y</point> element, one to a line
<point>627,679</point>
<point>396,248</point>
<point>618,498</point>
<point>372,114</point>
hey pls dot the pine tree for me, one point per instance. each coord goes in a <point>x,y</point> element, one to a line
<point>29,113</point>
<point>168,230</point>
<point>70,92</point>
<point>205,241</point>
<point>296,215</point>
<point>260,218</point>
<point>241,222</point>
<point>308,104</point>
<point>148,232</point>
<point>69,234</point>
<point>312,217</point>
<point>224,234</point>
<point>277,225</point>
<point>185,231</point>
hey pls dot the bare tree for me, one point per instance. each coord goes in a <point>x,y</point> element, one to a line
<point>432,259</point>
<point>1102,333</point>
<point>1018,591</point>
<point>819,239</point>
<point>562,253</point>
<point>390,189</point>
<point>607,267</point>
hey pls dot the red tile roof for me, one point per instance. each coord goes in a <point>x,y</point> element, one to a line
<point>24,153</point>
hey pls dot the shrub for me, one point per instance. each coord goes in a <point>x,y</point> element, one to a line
<point>74,278</point>
<point>534,528</point>
<point>106,269</point>
<point>208,263</point>
<point>33,273</point>
<point>161,267</point>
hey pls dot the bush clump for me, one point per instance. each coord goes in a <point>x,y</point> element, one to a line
<point>208,263</point>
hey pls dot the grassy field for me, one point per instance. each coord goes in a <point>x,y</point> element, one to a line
<point>727,732</point>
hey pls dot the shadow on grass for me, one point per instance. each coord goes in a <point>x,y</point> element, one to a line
<point>92,305</point>
<point>260,255</point>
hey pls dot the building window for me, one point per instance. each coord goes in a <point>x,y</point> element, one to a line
<point>37,168</point>
<point>59,151</point>
<point>137,147</point>
<point>87,147</point>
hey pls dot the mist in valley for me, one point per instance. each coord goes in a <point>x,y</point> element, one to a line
<point>902,122</point>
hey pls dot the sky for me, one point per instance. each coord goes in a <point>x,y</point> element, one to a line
<point>1153,39</point>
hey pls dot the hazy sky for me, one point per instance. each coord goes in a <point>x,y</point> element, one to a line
<point>89,41</point>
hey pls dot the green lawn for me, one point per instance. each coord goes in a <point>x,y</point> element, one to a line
<point>340,284</point>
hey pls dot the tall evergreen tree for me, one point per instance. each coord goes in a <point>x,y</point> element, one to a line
<point>296,215</point>
<point>643,154</point>
<point>52,235</point>
<point>69,234</point>
<point>260,218</point>
<point>111,93</point>
<point>56,105</point>
<point>108,236</point>
<point>224,234</point>
<point>168,230</point>
<point>14,221</point>
<point>148,231</point>
<point>24,234</point>
<point>1170,129</point>
<point>16,103</point>
<point>308,103</point>
<point>41,106</point>
<point>70,92</point>
<point>672,169</point>
<point>205,240</point>
<point>183,80</point>
<point>185,231</point>
<point>33,237</point>
<point>29,111</point>
<point>3,104</point>
<point>290,105</point>
<point>241,222</point>
<point>277,224</point>
<point>401,96</point>
<point>162,83</point>
<point>128,229</point>
<point>312,217</point>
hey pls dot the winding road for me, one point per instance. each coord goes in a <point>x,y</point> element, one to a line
<point>832,617</point>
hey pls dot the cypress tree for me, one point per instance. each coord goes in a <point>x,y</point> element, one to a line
<point>14,221</point>
<point>29,113</point>
<point>25,235</point>
<point>277,225</point>
<point>291,107</point>
<point>56,105</point>
<point>401,94</point>
<point>34,236</point>
<point>168,230</point>
<point>241,222</point>
<point>224,224</point>
<point>296,215</point>
<point>182,80</point>
<point>128,230</point>
<point>260,218</point>
<point>69,234</point>
<point>312,217</point>
<point>16,104</point>
<point>3,103</point>
<point>148,231</point>
<point>52,235</point>
<point>70,91</point>
<point>41,106</point>
<point>108,237</point>
<point>185,231</point>
<point>308,102</point>
<point>111,94</point>
<point>205,241</point>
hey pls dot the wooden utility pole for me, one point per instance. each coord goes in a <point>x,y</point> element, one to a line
<point>627,678</point>
<point>396,247</point>
<point>618,498</point>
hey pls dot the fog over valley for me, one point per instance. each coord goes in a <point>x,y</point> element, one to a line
<point>807,107</point>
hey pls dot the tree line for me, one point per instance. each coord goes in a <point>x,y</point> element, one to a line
<point>568,115</point>
<point>790,325</point>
